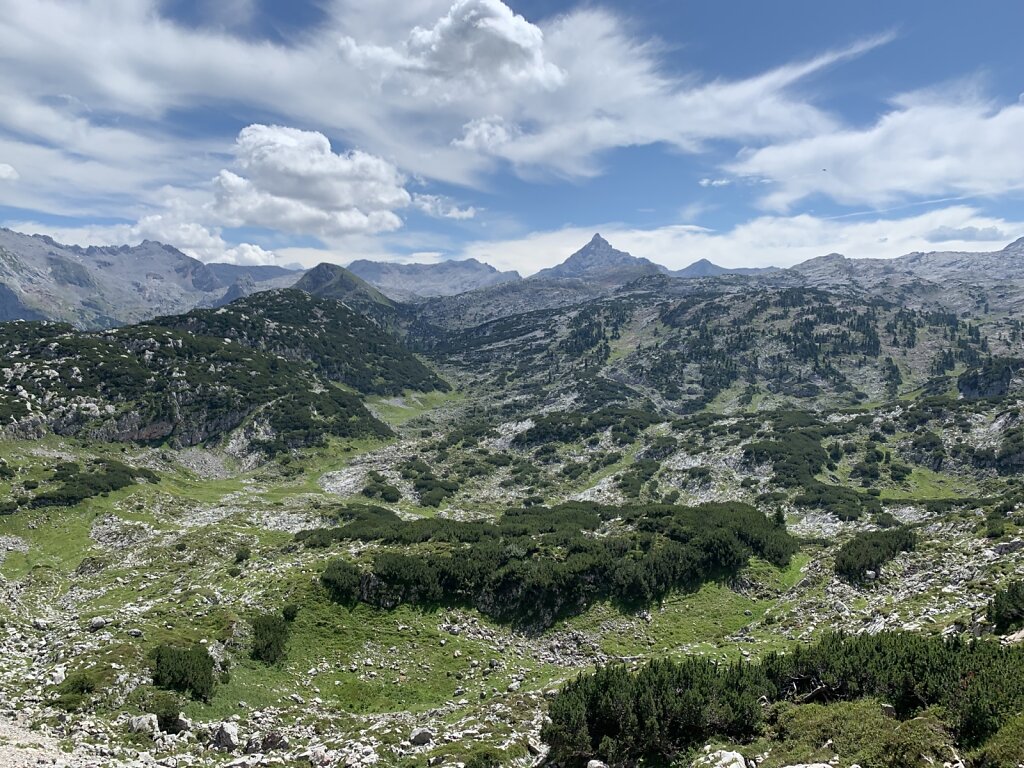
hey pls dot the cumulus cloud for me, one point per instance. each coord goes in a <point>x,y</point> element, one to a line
<point>486,135</point>
<point>479,44</point>
<point>706,182</point>
<point>296,183</point>
<point>929,144</point>
<point>8,172</point>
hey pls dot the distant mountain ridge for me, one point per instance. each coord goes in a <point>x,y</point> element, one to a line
<point>705,268</point>
<point>412,282</point>
<point>102,287</point>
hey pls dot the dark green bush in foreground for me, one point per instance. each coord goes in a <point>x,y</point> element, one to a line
<point>667,708</point>
<point>76,691</point>
<point>76,486</point>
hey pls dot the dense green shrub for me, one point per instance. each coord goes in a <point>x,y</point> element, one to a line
<point>667,707</point>
<point>167,707</point>
<point>431,490</point>
<point>185,670</point>
<point>797,456</point>
<point>871,550</point>
<point>485,757</point>
<point>1005,748</point>
<point>1006,609</point>
<point>75,692</point>
<point>341,580</point>
<point>377,486</point>
<point>572,427</point>
<point>269,638</point>
<point>536,564</point>
<point>76,486</point>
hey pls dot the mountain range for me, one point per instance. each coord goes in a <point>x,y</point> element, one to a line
<point>102,287</point>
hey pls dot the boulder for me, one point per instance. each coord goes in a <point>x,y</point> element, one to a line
<point>182,724</point>
<point>146,724</point>
<point>226,736</point>
<point>596,764</point>
<point>721,759</point>
<point>266,742</point>
<point>421,736</point>
<point>97,623</point>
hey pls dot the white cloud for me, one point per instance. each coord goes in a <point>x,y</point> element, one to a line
<point>486,135</point>
<point>714,182</point>
<point>294,182</point>
<point>479,45</point>
<point>440,89</point>
<point>930,144</point>
<point>764,241</point>
<point>966,234</point>
<point>8,172</point>
<point>615,94</point>
<point>440,208</point>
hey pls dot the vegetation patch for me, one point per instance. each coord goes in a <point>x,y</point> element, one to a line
<point>668,708</point>
<point>537,564</point>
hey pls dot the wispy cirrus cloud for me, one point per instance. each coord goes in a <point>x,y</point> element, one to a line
<point>951,141</point>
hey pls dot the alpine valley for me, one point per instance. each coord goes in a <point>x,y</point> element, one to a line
<point>437,514</point>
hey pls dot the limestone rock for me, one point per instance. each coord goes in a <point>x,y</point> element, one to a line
<point>226,736</point>
<point>421,736</point>
<point>146,724</point>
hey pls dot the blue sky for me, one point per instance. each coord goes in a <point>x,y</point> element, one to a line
<point>749,133</point>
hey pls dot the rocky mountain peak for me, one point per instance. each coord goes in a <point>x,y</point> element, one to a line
<point>599,260</point>
<point>1017,246</point>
